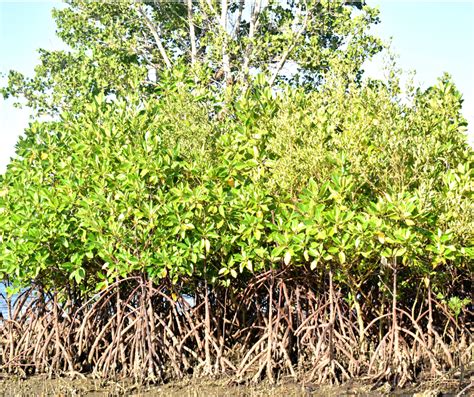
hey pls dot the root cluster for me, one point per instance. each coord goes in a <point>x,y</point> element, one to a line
<point>281,325</point>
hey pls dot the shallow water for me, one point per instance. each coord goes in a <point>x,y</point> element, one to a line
<point>3,305</point>
<point>3,300</point>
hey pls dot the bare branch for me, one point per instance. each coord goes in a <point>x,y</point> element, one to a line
<point>209,3</point>
<point>192,34</point>
<point>225,54</point>
<point>252,28</point>
<point>156,35</point>
<point>290,48</point>
<point>238,20</point>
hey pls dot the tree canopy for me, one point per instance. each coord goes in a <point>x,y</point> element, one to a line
<point>225,42</point>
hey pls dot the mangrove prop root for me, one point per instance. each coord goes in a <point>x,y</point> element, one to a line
<point>278,325</point>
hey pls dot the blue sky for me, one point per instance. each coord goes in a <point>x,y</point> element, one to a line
<point>430,37</point>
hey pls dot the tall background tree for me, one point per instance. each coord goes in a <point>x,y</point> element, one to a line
<point>225,42</point>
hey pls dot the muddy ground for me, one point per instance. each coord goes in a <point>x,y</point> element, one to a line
<point>61,387</point>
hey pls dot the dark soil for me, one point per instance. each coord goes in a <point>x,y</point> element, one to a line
<point>61,387</point>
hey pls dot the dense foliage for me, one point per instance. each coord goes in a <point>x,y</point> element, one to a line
<point>342,176</point>
<point>340,188</point>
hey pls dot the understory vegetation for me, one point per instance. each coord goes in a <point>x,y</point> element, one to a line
<point>312,227</point>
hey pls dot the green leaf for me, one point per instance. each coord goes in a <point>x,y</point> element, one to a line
<point>342,257</point>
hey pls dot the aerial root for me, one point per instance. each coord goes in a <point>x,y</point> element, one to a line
<point>277,327</point>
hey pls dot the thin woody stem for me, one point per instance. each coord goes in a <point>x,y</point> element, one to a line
<point>156,35</point>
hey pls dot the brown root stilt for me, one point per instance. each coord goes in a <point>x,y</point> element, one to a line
<point>278,325</point>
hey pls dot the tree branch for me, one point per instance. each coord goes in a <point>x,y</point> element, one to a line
<point>252,28</point>
<point>225,54</point>
<point>192,33</point>
<point>156,35</point>
<point>238,20</point>
<point>286,54</point>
